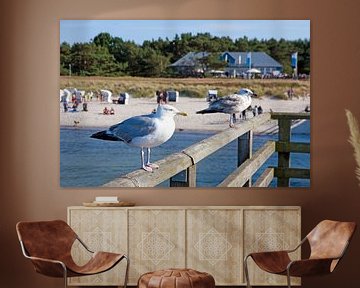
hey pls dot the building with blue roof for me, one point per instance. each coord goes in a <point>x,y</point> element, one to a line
<point>238,63</point>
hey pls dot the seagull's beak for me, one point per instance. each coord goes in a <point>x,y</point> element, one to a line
<point>182,113</point>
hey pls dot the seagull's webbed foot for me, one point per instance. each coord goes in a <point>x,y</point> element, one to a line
<point>147,168</point>
<point>152,165</point>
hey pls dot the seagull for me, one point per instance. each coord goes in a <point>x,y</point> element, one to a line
<point>234,103</point>
<point>144,131</point>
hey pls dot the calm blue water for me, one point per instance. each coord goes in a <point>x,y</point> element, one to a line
<point>87,162</point>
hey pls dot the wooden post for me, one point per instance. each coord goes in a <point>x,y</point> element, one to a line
<point>284,157</point>
<point>189,178</point>
<point>245,142</point>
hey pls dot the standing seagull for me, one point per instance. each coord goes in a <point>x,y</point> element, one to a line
<point>231,104</point>
<point>144,131</point>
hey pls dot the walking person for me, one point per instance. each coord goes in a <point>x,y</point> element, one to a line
<point>66,107</point>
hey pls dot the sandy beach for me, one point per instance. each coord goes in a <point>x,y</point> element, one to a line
<point>207,122</point>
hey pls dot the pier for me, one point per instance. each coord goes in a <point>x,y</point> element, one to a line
<point>180,167</point>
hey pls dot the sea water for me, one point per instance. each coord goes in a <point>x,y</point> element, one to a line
<point>88,162</point>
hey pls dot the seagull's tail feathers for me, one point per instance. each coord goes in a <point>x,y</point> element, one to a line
<point>105,135</point>
<point>206,111</point>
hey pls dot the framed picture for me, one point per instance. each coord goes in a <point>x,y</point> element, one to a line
<point>184,103</point>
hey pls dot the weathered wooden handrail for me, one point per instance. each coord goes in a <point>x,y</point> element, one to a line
<point>178,162</point>
<point>210,145</point>
<point>169,167</point>
<point>265,178</point>
<point>243,173</point>
<point>186,160</point>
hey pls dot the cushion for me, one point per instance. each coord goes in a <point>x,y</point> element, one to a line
<point>176,278</point>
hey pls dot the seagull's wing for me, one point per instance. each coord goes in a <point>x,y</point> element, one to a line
<point>220,105</point>
<point>138,126</point>
<point>229,104</point>
<point>225,102</point>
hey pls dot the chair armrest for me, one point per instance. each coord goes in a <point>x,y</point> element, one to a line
<point>49,267</point>
<point>45,260</point>
<point>309,267</point>
<point>282,251</point>
<point>269,253</point>
<point>298,246</point>
<point>84,245</point>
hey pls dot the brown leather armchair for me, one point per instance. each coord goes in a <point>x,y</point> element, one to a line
<point>48,245</point>
<point>328,242</point>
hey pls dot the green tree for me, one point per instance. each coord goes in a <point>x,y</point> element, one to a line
<point>122,50</point>
<point>225,43</point>
<point>180,46</point>
<point>242,44</point>
<point>65,58</point>
<point>107,55</point>
<point>103,39</point>
<point>303,49</point>
<point>147,62</point>
<point>91,60</point>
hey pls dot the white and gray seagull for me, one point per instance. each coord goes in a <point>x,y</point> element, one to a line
<point>231,104</point>
<point>144,131</point>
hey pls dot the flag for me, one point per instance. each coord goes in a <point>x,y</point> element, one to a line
<point>248,59</point>
<point>294,60</point>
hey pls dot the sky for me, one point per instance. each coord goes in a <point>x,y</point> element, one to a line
<point>73,31</point>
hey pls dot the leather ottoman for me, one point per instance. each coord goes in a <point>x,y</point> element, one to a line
<point>176,278</point>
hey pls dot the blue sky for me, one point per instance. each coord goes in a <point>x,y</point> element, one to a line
<point>73,31</point>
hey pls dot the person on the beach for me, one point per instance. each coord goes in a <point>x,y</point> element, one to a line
<point>75,105</point>
<point>106,111</point>
<point>161,97</point>
<point>259,110</point>
<point>112,111</point>
<point>165,97</point>
<point>290,93</point>
<point>65,104</point>
<point>158,96</point>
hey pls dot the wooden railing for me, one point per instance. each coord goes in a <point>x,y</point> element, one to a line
<point>180,167</point>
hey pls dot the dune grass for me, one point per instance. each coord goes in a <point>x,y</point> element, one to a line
<point>189,87</point>
<point>354,139</point>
